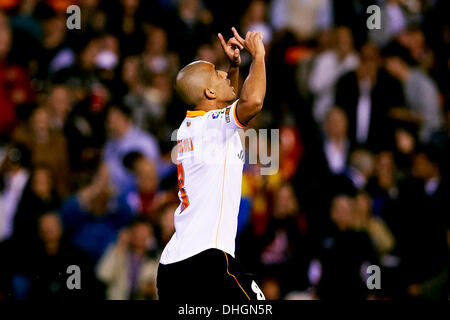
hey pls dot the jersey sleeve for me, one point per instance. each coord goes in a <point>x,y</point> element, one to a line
<point>224,119</point>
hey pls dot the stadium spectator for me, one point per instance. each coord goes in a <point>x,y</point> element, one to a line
<point>361,168</point>
<point>156,58</point>
<point>59,106</point>
<point>129,266</point>
<point>421,95</point>
<point>366,94</point>
<point>15,86</point>
<point>336,145</point>
<point>285,238</point>
<point>82,76</point>
<point>47,146</point>
<point>39,197</point>
<point>343,255</point>
<point>189,28</point>
<point>328,67</point>
<point>94,215</point>
<point>303,18</point>
<point>127,22</point>
<point>380,235</point>
<point>421,222</point>
<point>15,174</point>
<point>142,199</point>
<point>149,95</point>
<point>138,94</point>
<point>383,185</point>
<point>56,53</point>
<point>94,17</point>
<point>125,137</point>
<point>254,19</point>
<point>51,257</point>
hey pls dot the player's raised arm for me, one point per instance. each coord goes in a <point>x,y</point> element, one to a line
<point>254,88</point>
<point>232,49</point>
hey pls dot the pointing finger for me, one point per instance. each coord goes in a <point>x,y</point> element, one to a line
<point>222,40</point>
<point>237,36</point>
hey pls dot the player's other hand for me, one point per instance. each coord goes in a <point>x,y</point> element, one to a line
<point>232,49</point>
<point>252,43</point>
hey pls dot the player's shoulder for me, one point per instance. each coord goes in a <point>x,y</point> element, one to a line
<point>190,126</point>
<point>215,114</point>
<point>221,113</point>
<point>185,126</point>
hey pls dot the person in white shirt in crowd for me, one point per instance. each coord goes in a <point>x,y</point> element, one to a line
<point>255,19</point>
<point>336,143</point>
<point>302,17</point>
<point>129,266</point>
<point>14,177</point>
<point>421,94</point>
<point>124,138</point>
<point>328,67</point>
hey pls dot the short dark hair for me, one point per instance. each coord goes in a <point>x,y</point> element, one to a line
<point>394,49</point>
<point>129,160</point>
<point>126,110</point>
<point>140,220</point>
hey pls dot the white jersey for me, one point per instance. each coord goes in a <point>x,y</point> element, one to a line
<point>210,162</point>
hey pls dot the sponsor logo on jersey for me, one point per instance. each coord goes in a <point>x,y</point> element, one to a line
<point>216,114</point>
<point>227,114</point>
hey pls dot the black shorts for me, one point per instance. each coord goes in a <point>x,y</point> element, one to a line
<point>212,276</point>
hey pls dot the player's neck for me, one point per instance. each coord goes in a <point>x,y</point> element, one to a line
<point>211,105</point>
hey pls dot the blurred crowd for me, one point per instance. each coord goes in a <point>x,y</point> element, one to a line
<point>86,124</point>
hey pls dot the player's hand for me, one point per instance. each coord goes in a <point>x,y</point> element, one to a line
<point>252,42</point>
<point>232,49</point>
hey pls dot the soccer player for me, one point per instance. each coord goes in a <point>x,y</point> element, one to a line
<point>198,263</point>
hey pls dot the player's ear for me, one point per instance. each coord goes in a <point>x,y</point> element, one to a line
<point>210,94</point>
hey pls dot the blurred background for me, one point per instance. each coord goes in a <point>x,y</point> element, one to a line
<point>86,118</point>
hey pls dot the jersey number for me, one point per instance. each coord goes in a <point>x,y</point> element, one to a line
<point>182,193</point>
<point>257,290</point>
